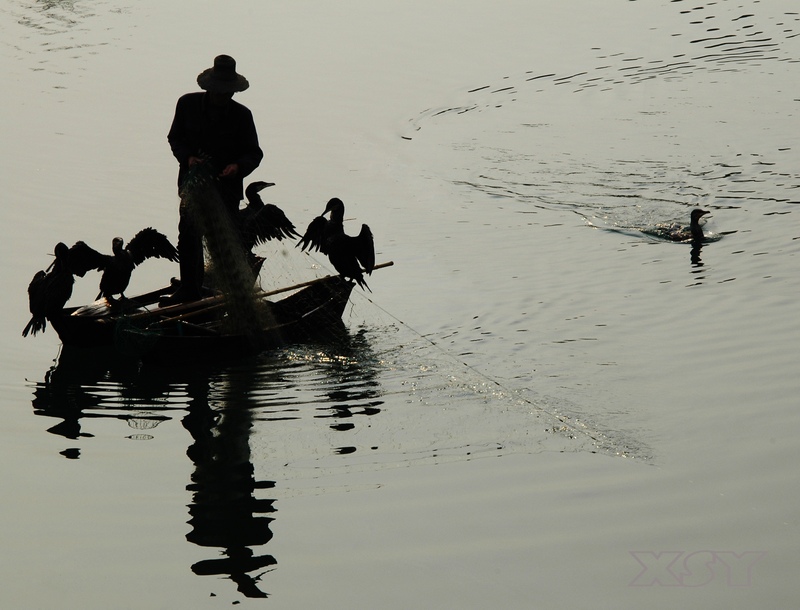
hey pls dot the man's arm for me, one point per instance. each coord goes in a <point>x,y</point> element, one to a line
<point>251,153</point>
<point>178,138</point>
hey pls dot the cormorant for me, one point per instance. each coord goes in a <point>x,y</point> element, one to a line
<point>118,266</point>
<point>678,232</point>
<point>346,253</point>
<point>695,228</point>
<point>260,222</point>
<point>49,290</point>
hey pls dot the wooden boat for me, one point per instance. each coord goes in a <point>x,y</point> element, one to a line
<point>138,326</point>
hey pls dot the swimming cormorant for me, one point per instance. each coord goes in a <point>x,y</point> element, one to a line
<point>682,233</point>
<point>49,290</point>
<point>695,228</point>
<point>118,266</point>
<point>348,254</point>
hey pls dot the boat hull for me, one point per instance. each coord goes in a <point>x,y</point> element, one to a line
<point>151,332</point>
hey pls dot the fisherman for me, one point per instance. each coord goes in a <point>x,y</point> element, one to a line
<point>209,127</point>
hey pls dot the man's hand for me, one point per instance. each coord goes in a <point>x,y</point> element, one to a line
<point>230,170</point>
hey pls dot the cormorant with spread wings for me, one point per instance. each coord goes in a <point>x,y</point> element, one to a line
<point>50,290</point>
<point>118,266</point>
<point>348,254</point>
<point>260,222</point>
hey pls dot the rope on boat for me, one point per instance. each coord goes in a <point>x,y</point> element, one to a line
<point>132,338</point>
<point>566,425</point>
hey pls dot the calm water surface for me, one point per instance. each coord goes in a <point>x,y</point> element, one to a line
<point>539,405</point>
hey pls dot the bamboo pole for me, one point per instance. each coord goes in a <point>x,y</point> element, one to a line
<point>262,295</point>
<point>218,301</point>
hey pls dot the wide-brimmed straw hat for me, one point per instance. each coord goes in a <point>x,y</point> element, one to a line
<point>222,77</point>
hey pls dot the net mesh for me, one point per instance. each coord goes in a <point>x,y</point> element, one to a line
<point>230,267</point>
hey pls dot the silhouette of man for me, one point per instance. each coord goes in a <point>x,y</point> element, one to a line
<point>210,128</point>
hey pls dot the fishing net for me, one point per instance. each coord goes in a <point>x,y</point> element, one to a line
<point>132,338</point>
<point>230,269</point>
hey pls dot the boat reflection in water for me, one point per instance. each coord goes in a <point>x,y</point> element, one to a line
<point>218,407</point>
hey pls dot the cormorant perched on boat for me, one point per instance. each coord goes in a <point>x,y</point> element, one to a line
<point>50,290</point>
<point>346,253</point>
<point>118,266</point>
<point>678,232</point>
<point>260,222</point>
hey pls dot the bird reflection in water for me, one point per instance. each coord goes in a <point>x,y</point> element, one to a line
<point>72,391</point>
<point>697,246</point>
<point>226,511</point>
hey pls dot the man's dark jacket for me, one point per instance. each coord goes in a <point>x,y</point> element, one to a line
<point>224,137</point>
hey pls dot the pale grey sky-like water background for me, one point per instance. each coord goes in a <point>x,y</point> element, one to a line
<point>540,406</point>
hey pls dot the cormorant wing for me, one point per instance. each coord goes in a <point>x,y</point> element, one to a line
<point>314,238</point>
<point>270,223</point>
<point>365,249</point>
<point>83,258</point>
<point>149,243</point>
<point>35,287</point>
<point>37,304</point>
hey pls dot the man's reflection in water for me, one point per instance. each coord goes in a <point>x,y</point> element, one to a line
<point>224,512</point>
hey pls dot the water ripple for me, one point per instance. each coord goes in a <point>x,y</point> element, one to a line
<point>730,46</point>
<point>57,31</point>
